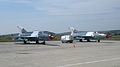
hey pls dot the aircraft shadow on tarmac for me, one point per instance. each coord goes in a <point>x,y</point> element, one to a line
<point>107,42</point>
<point>96,42</point>
<point>37,44</point>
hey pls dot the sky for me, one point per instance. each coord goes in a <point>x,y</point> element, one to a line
<point>58,15</point>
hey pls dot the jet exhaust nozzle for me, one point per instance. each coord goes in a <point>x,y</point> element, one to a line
<point>108,36</point>
<point>51,37</point>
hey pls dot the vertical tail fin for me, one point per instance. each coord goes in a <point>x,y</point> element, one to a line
<point>72,30</point>
<point>22,29</point>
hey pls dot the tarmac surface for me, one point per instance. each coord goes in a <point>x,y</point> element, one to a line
<point>56,54</point>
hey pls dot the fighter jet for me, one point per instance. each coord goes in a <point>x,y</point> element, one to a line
<point>36,36</point>
<point>87,35</point>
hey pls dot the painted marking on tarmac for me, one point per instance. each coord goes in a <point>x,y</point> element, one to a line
<point>69,65</point>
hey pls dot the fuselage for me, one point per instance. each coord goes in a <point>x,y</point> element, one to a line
<point>88,35</point>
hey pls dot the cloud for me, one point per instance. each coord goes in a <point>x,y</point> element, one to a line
<point>71,7</point>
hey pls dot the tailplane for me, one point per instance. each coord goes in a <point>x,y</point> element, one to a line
<point>22,29</point>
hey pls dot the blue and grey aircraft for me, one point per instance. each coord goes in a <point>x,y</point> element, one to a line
<point>36,36</point>
<point>87,35</point>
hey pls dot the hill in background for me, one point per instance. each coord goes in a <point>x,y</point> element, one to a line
<point>111,32</point>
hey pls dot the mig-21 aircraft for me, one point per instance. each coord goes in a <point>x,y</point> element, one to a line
<point>36,36</point>
<point>84,35</point>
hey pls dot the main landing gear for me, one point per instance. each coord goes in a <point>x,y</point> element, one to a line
<point>81,40</point>
<point>37,42</point>
<point>88,40</point>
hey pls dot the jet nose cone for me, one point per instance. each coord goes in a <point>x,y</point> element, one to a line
<point>51,37</point>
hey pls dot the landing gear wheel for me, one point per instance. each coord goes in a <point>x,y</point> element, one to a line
<point>37,42</point>
<point>98,40</point>
<point>71,41</point>
<point>43,42</point>
<point>88,40</point>
<point>80,40</point>
<point>63,42</point>
<point>25,42</point>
